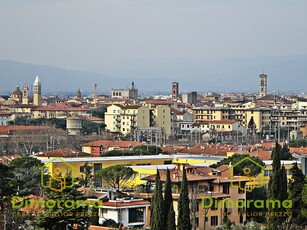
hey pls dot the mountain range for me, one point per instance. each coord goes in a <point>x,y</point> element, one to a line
<point>286,74</point>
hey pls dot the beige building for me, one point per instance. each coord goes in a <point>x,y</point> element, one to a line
<point>126,118</point>
<point>58,110</point>
<point>121,118</point>
<point>242,114</point>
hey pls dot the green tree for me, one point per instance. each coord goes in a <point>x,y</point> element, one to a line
<point>157,206</point>
<point>277,188</point>
<point>298,143</point>
<point>296,186</point>
<point>27,173</point>
<point>8,186</point>
<point>65,216</point>
<point>169,212</point>
<point>152,149</point>
<point>86,177</point>
<point>237,171</point>
<point>256,194</point>
<point>251,130</point>
<point>97,113</point>
<point>90,127</point>
<point>285,153</point>
<point>184,220</point>
<point>304,199</point>
<point>117,176</point>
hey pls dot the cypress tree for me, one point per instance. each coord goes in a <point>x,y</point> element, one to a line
<point>277,187</point>
<point>184,220</point>
<point>296,186</point>
<point>304,199</point>
<point>157,207</point>
<point>169,212</point>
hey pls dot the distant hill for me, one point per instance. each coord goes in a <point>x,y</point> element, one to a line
<point>53,79</point>
<point>285,74</point>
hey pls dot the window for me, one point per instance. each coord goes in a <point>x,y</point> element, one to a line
<point>136,215</point>
<point>97,182</point>
<point>214,220</point>
<point>241,191</point>
<point>226,189</point>
<point>81,168</point>
<point>167,162</point>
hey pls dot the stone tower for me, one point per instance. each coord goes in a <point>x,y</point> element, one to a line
<point>79,94</point>
<point>263,85</point>
<point>175,90</point>
<point>37,92</point>
<point>25,95</point>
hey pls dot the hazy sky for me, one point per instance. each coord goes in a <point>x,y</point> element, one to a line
<point>98,35</point>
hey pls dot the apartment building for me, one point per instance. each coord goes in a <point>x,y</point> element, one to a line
<point>126,119</point>
<point>205,184</point>
<point>242,114</point>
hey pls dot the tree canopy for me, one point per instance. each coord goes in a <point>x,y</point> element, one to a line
<point>238,170</point>
<point>117,176</point>
<point>184,220</point>
<point>157,219</point>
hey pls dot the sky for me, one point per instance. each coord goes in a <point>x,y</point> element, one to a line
<point>106,35</point>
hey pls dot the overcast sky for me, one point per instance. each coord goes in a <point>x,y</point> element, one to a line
<point>98,35</point>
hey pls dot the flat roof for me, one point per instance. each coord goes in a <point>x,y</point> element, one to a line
<point>101,159</point>
<point>199,157</point>
<point>154,167</point>
<point>285,162</point>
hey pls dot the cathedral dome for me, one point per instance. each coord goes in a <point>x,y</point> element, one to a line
<point>17,93</point>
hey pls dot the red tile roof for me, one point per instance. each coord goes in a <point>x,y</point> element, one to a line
<point>301,151</point>
<point>176,176</point>
<point>8,158</point>
<point>261,154</point>
<point>123,144</point>
<point>60,107</point>
<point>5,130</point>
<point>228,122</point>
<point>158,102</point>
<point>211,149</point>
<point>66,152</point>
<point>177,112</point>
<point>125,203</point>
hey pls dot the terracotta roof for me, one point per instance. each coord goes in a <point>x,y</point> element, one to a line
<point>176,176</point>
<point>5,130</point>
<point>158,102</point>
<point>66,152</point>
<point>122,144</point>
<point>211,149</point>
<point>60,107</point>
<point>126,106</point>
<point>228,122</point>
<point>261,154</point>
<point>223,168</point>
<point>126,203</point>
<point>8,158</point>
<point>301,151</point>
<point>172,149</point>
<point>177,112</point>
